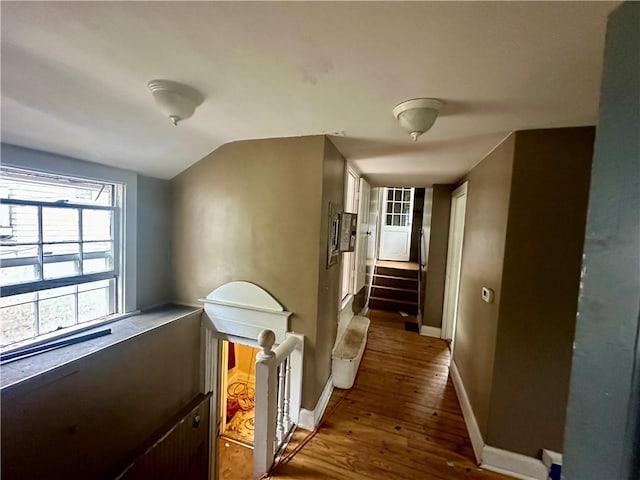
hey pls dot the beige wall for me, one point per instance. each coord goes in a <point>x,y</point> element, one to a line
<point>437,258</point>
<point>543,256</point>
<point>524,231</point>
<point>482,259</point>
<point>88,418</point>
<point>253,210</point>
<point>333,172</point>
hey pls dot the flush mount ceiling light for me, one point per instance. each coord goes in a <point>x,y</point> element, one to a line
<point>418,115</point>
<point>178,101</point>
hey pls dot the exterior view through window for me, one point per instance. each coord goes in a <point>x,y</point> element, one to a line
<point>59,253</point>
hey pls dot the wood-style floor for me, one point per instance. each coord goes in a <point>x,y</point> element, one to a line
<point>401,420</point>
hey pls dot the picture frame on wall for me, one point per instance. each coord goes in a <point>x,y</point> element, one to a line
<point>333,235</point>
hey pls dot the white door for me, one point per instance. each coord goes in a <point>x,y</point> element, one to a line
<point>363,235</point>
<point>454,262</point>
<point>395,234</point>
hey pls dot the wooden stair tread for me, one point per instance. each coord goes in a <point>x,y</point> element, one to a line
<point>408,279</point>
<point>393,300</point>
<point>396,289</point>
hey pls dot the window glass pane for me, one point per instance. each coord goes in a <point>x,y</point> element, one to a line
<point>96,265</point>
<point>93,304</point>
<point>17,299</point>
<point>19,254</point>
<point>17,323</point>
<point>398,195</point>
<point>22,226</point>
<point>61,260</point>
<point>21,274</point>
<point>404,220</point>
<point>47,188</point>
<point>56,292</point>
<point>390,194</point>
<point>389,207</point>
<point>407,195</point>
<point>396,208</point>
<point>60,224</point>
<point>389,220</point>
<point>396,220</point>
<point>94,247</point>
<point>56,313</point>
<point>405,208</point>
<point>96,225</point>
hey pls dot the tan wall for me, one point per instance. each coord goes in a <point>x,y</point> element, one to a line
<point>328,279</point>
<point>87,418</point>
<point>482,261</point>
<point>543,256</point>
<point>251,211</point>
<point>437,259</point>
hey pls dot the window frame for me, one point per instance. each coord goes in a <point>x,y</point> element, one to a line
<point>52,164</point>
<point>42,284</point>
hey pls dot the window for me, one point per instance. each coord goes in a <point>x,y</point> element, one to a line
<point>59,252</point>
<point>399,205</point>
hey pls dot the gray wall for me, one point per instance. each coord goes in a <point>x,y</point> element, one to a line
<point>437,258</point>
<point>154,241</point>
<point>602,438</point>
<point>85,419</point>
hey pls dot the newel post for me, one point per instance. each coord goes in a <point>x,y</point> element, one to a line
<point>265,405</point>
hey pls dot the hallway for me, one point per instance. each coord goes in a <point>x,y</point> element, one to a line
<point>401,420</point>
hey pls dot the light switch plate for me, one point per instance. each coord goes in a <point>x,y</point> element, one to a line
<point>487,295</point>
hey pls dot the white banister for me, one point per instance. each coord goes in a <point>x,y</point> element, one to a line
<point>278,388</point>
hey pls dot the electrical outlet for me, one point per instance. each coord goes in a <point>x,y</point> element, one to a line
<point>487,295</point>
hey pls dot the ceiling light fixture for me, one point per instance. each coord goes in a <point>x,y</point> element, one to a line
<point>418,115</point>
<point>177,100</point>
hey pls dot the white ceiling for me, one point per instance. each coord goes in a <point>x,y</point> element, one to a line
<point>74,78</point>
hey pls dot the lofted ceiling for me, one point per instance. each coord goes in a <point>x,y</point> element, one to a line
<point>74,78</point>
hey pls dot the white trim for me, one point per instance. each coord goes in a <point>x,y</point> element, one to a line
<point>477,442</point>
<point>428,331</point>
<point>310,419</point>
<point>491,458</point>
<point>452,285</point>
<point>549,458</point>
<point>514,464</point>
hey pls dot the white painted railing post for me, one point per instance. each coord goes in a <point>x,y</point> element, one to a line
<point>265,405</point>
<point>277,401</point>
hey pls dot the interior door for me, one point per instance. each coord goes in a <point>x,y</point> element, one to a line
<point>454,262</point>
<point>364,231</point>
<point>395,234</point>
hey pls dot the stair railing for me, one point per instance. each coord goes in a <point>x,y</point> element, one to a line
<point>277,397</point>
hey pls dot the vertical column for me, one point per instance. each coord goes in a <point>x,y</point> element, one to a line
<point>287,394</point>
<point>265,405</point>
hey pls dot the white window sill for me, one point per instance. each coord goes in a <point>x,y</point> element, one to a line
<point>17,371</point>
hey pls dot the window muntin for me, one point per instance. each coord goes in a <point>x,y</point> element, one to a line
<point>58,253</point>
<point>398,206</point>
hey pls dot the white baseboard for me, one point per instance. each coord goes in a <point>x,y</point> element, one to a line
<point>309,419</point>
<point>491,458</point>
<point>477,442</point>
<point>514,464</point>
<point>428,331</point>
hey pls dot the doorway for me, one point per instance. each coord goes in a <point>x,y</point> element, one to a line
<point>454,263</point>
<point>396,221</point>
<point>236,412</point>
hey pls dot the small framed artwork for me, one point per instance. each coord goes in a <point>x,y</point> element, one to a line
<point>333,236</point>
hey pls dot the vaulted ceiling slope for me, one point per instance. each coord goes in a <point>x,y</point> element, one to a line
<point>74,77</point>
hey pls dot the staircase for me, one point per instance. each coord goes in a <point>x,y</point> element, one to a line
<point>395,287</point>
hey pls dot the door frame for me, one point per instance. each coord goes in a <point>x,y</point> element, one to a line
<point>453,271</point>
